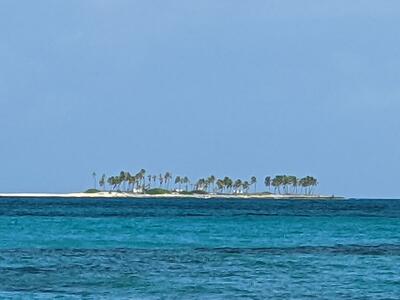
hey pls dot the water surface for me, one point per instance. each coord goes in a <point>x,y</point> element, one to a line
<point>199,249</point>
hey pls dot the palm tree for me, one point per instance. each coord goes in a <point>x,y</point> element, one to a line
<point>228,182</point>
<point>102,182</point>
<point>246,186</point>
<point>139,180</point>
<point>142,173</point>
<point>267,182</point>
<point>302,184</point>
<point>293,181</point>
<point>211,181</point>
<point>131,182</point>
<point>237,185</point>
<point>113,182</point>
<point>94,180</point>
<point>167,178</point>
<point>161,179</point>
<point>110,181</point>
<point>122,178</point>
<point>286,183</point>
<point>178,181</point>
<point>201,184</point>
<point>314,182</point>
<point>282,182</point>
<point>276,183</point>
<point>220,185</point>
<point>128,180</point>
<point>186,181</point>
<point>289,183</point>
<point>307,183</point>
<point>253,180</point>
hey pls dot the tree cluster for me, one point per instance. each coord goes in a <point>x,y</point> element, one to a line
<point>140,182</point>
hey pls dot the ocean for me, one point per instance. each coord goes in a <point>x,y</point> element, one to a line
<point>199,249</point>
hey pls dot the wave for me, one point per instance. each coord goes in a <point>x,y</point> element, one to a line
<point>379,250</point>
<point>382,249</point>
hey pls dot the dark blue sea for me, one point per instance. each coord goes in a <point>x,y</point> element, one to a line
<point>199,249</point>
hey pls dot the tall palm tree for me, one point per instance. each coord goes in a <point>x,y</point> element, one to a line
<point>276,183</point>
<point>94,175</point>
<point>161,179</point>
<point>201,184</point>
<point>122,178</point>
<point>293,183</point>
<point>314,182</point>
<point>286,183</point>
<point>102,182</point>
<point>128,180</point>
<point>154,179</point>
<point>167,178</point>
<point>178,181</point>
<point>114,181</point>
<point>142,173</point>
<point>110,181</point>
<point>131,182</point>
<point>267,182</point>
<point>237,186</point>
<point>186,181</point>
<point>228,183</point>
<point>211,181</point>
<point>246,186</point>
<point>307,183</point>
<point>220,185</point>
<point>253,181</point>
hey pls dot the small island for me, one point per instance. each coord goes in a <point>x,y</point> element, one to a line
<point>143,185</point>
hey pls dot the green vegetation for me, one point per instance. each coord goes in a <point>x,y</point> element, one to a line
<point>167,183</point>
<point>186,193</point>
<point>92,191</point>
<point>198,192</point>
<point>157,191</point>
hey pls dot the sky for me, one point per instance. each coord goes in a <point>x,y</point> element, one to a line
<point>228,88</point>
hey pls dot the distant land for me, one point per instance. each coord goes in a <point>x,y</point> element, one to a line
<point>165,185</point>
<point>166,196</point>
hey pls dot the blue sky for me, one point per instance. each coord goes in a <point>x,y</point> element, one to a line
<point>227,87</point>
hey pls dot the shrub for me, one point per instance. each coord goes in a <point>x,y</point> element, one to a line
<point>92,191</point>
<point>157,191</point>
<point>201,192</point>
<point>186,193</point>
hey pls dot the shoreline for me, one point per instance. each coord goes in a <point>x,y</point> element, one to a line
<point>111,195</point>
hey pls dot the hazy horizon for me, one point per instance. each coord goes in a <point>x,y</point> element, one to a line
<point>226,88</point>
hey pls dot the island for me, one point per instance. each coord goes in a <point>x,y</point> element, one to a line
<point>142,185</point>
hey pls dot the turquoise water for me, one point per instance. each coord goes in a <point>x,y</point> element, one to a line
<point>199,249</point>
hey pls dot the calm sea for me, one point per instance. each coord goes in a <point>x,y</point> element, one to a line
<point>199,249</point>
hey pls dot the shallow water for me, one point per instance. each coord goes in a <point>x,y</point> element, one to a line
<point>199,249</point>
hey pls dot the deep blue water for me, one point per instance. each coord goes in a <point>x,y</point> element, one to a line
<point>199,249</point>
